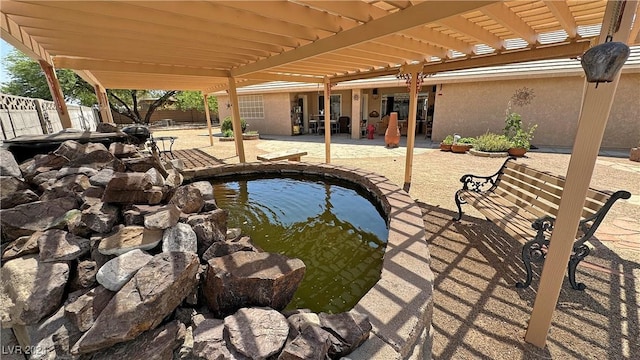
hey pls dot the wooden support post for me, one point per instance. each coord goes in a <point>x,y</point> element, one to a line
<point>596,105</point>
<point>206,112</point>
<point>235,120</point>
<point>411,129</point>
<point>56,94</point>
<point>356,115</point>
<point>327,120</point>
<point>103,104</point>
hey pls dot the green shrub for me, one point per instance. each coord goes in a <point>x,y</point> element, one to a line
<point>448,140</point>
<point>466,140</point>
<point>490,142</point>
<point>226,124</point>
<point>227,133</point>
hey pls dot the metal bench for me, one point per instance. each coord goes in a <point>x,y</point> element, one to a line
<point>291,155</point>
<point>524,203</point>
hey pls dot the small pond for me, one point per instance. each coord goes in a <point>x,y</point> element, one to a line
<point>333,227</point>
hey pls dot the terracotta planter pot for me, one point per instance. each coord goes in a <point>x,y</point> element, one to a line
<point>392,135</point>
<point>460,148</point>
<point>445,147</point>
<point>517,152</point>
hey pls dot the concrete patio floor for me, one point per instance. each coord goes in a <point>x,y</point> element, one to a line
<point>478,312</point>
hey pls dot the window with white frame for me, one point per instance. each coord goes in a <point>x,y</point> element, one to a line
<point>251,107</point>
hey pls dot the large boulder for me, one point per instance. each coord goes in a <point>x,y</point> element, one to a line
<point>50,339</point>
<point>42,164</point>
<point>100,217</point>
<point>351,328</point>
<point>209,342</point>
<point>36,216</point>
<point>188,198</point>
<point>84,310</point>
<point>132,188</point>
<point>312,343</point>
<point>251,279</point>
<point>116,272</point>
<point>130,238</point>
<point>59,245</point>
<point>152,294</point>
<point>12,192</point>
<point>257,333</point>
<point>162,218</point>
<point>209,227</point>
<point>8,164</point>
<point>85,275</point>
<point>156,344</point>
<point>31,289</point>
<point>66,186</point>
<point>22,246</point>
<point>102,177</point>
<point>223,248</point>
<point>180,237</point>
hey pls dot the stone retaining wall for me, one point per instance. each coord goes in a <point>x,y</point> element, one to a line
<point>400,305</point>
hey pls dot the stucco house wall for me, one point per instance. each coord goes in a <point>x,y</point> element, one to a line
<point>473,108</point>
<point>277,114</point>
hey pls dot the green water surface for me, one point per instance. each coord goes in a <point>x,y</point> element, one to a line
<point>337,232</point>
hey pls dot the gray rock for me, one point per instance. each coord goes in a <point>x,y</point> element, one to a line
<point>156,177</point>
<point>233,234</point>
<point>209,227</point>
<point>84,170</point>
<point>73,222</point>
<point>43,180</point>
<point>107,128</point>
<point>32,289</point>
<point>141,164</point>
<point>130,238</point>
<point>99,258</point>
<point>8,342</point>
<point>59,245</point>
<point>96,155</point>
<point>51,339</point>
<point>42,164</point>
<point>133,217</point>
<point>205,188</point>
<point>152,294</point>
<point>129,181</point>
<point>151,196</point>
<point>180,237</point>
<point>117,272</point>
<point>188,199</point>
<point>36,216</point>
<point>85,275</point>
<point>156,344</point>
<point>209,342</point>
<point>223,248</point>
<point>177,164</point>
<point>312,343</point>
<point>301,321</point>
<point>102,178</point>
<point>121,150</point>
<point>19,197</point>
<point>8,164</point>
<point>70,149</point>
<point>22,246</point>
<point>91,196</point>
<point>256,333</point>
<point>209,205</point>
<point>8,186</point>
<point>174,178</point>
<point>163,218</point>
<point>351,328</point>
<point>100,217</point>
<point>84,310</point>
<point>251,279</point>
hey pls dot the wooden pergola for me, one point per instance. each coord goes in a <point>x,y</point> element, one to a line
<point>222,45</point>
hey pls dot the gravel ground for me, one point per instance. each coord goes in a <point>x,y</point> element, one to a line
<point>478,312</point>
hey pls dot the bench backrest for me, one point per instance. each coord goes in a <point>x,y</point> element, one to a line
<point>540,192</point>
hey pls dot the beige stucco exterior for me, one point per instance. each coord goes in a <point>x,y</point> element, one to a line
<point>471,108</point>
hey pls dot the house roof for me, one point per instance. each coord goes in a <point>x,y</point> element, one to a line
<point>198,45</point>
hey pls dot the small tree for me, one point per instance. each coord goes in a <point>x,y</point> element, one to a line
<point>188,100</point>
<point>126,103</point>
<point>519,136</point>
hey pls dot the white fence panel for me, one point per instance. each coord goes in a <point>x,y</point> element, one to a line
<point>50,116</point>
<point>83,118</point>
<point>19,116</point>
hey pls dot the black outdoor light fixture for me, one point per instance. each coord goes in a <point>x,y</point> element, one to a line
<point>602,62</point>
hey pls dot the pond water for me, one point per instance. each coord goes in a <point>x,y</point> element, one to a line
<point>335,229</point>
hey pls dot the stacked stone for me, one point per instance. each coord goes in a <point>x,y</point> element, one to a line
<point>106,254</point>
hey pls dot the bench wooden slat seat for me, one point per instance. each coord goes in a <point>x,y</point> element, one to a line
<point>291,155</point>
<point>524,203</point>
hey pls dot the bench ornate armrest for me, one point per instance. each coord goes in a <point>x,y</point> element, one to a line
<point>478,184</point>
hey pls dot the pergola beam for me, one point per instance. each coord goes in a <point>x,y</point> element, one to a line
<point>470,29</point>
<point>420,14</point>
<point>106,65</point>
<point>284,77</point>
<point>507,18</point>
<point>439,39</point>
<point>12,33</point>
<point>561,11</point>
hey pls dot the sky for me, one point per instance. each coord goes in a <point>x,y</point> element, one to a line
<point>5,48</point>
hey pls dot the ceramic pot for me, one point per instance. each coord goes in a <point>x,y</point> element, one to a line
<point>602,62</point>
<point>517,152</point>
<point>445,147</point>
<point>392,135</point>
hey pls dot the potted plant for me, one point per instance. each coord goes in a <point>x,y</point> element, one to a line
<point>519,137</point>
<point>462,145</point>
<point>446,143</point>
